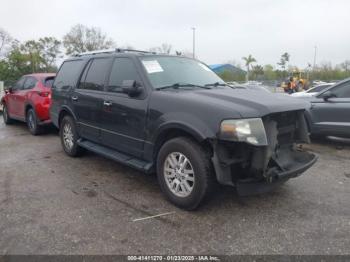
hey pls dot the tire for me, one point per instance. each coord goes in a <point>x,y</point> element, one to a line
<point>5,115</point>
<point>32,123</point>
<point>171,173</point>
<point>69,137</point>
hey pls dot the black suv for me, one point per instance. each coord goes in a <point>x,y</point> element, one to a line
<point>174,116</point>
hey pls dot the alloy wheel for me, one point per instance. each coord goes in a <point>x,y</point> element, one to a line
<point>31,121</point>
<point>68,136</point>
<point>179,174</point>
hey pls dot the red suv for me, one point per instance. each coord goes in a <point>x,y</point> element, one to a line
<point>29,101</point>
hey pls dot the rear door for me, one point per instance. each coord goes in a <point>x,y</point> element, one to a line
<point>332,116</point>
<point>28,85</point>
<point>88,97</point>
<point>124,117</point>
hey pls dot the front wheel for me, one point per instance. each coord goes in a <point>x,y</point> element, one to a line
<point>69,137</point>
<point>6,116</point>
<point>184,172</point>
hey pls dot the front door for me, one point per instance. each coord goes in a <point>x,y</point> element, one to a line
<point>12,104</point>
<point>87,98</point>
<point>124,117</point>
<point>331,116</point>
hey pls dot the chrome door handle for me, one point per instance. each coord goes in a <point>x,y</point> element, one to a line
<point>74,98</point>
<point>107,103</point>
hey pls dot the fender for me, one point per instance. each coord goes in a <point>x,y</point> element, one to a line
<point>65,108</point>
<point>26,104</point>
<point>198,134</point>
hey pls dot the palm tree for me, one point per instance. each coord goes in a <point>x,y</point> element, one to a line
<point>248,60</point>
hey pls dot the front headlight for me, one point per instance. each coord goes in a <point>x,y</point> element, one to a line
<point>249,130</point>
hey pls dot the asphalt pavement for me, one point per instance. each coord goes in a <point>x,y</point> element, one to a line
<point>53,204</point>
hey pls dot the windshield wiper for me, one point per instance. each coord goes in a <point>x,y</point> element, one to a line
<point>217,84</point>
<point>178,85</point>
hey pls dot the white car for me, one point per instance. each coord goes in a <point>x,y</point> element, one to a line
<point>312,91</point>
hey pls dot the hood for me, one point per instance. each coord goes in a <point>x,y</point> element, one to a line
<point>248,103</point>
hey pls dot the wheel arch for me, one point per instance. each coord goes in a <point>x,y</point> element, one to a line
<point>179,130</point>
<point>63,112</point>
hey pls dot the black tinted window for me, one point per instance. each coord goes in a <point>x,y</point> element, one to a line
<point>29,83</point>
<point>49,81</point>
<point>19,84</point>
<point>342,91</point>
<point>96,75</point>
<point>68,74</point>
<point>122,69</point>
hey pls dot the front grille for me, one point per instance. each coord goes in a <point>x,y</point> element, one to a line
<point>286,126</point>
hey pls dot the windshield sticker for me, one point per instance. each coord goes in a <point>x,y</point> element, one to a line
<point>152,66</point>
<point>204,67</point>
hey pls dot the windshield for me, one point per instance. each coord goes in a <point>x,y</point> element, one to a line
<point>168,71</point>
<point>318,89</point>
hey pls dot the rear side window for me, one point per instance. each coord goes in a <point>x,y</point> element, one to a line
<point>49,81</point>
<point>68,75</point>
<point>30,83</point>
<point>96,74</point>
<point>122,69</point>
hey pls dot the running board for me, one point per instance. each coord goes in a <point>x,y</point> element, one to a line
<point>116,156</point>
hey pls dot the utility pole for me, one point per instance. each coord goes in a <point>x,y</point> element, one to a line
<point>194,41</point>
<point>315,58</point>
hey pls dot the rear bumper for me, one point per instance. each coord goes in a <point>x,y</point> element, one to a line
<point>245,188</point>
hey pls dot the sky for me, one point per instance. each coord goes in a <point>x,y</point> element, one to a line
<point>225,29</point>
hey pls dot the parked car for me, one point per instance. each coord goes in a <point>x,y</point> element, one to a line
<point>330,110</point>
<point>312,91</point>
<point>174,116</point>
<point>29,101</point>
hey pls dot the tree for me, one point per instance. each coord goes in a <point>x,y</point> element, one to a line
<point>269,72</point>
<point>163,49</point>
<point>82,39</point>
<point>257,70</point>
<point>248,61</point>
<point>5,42</point>
<point>345,65</point>
<point>284,60</point>
<point>50,50</point>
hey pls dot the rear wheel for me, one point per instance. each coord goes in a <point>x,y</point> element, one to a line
<point>184,172</point>
<point>32,122</point>
<point>69,137</point>
<point>5,115</point>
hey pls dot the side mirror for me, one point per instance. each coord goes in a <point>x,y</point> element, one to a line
<point>327,95</point>
<point>131,87</point>
<point>8,90</point>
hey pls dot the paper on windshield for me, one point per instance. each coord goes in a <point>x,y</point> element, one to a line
<point>152,66</point>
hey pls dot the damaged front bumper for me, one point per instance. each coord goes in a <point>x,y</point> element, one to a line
<point>258,169</point>
<point>288,163</point>
<point>299,163</point>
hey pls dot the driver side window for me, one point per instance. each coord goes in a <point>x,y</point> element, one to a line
<point>342,91</point>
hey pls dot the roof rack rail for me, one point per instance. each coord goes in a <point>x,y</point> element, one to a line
<point>121,50</point>
<point>109,51</point>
